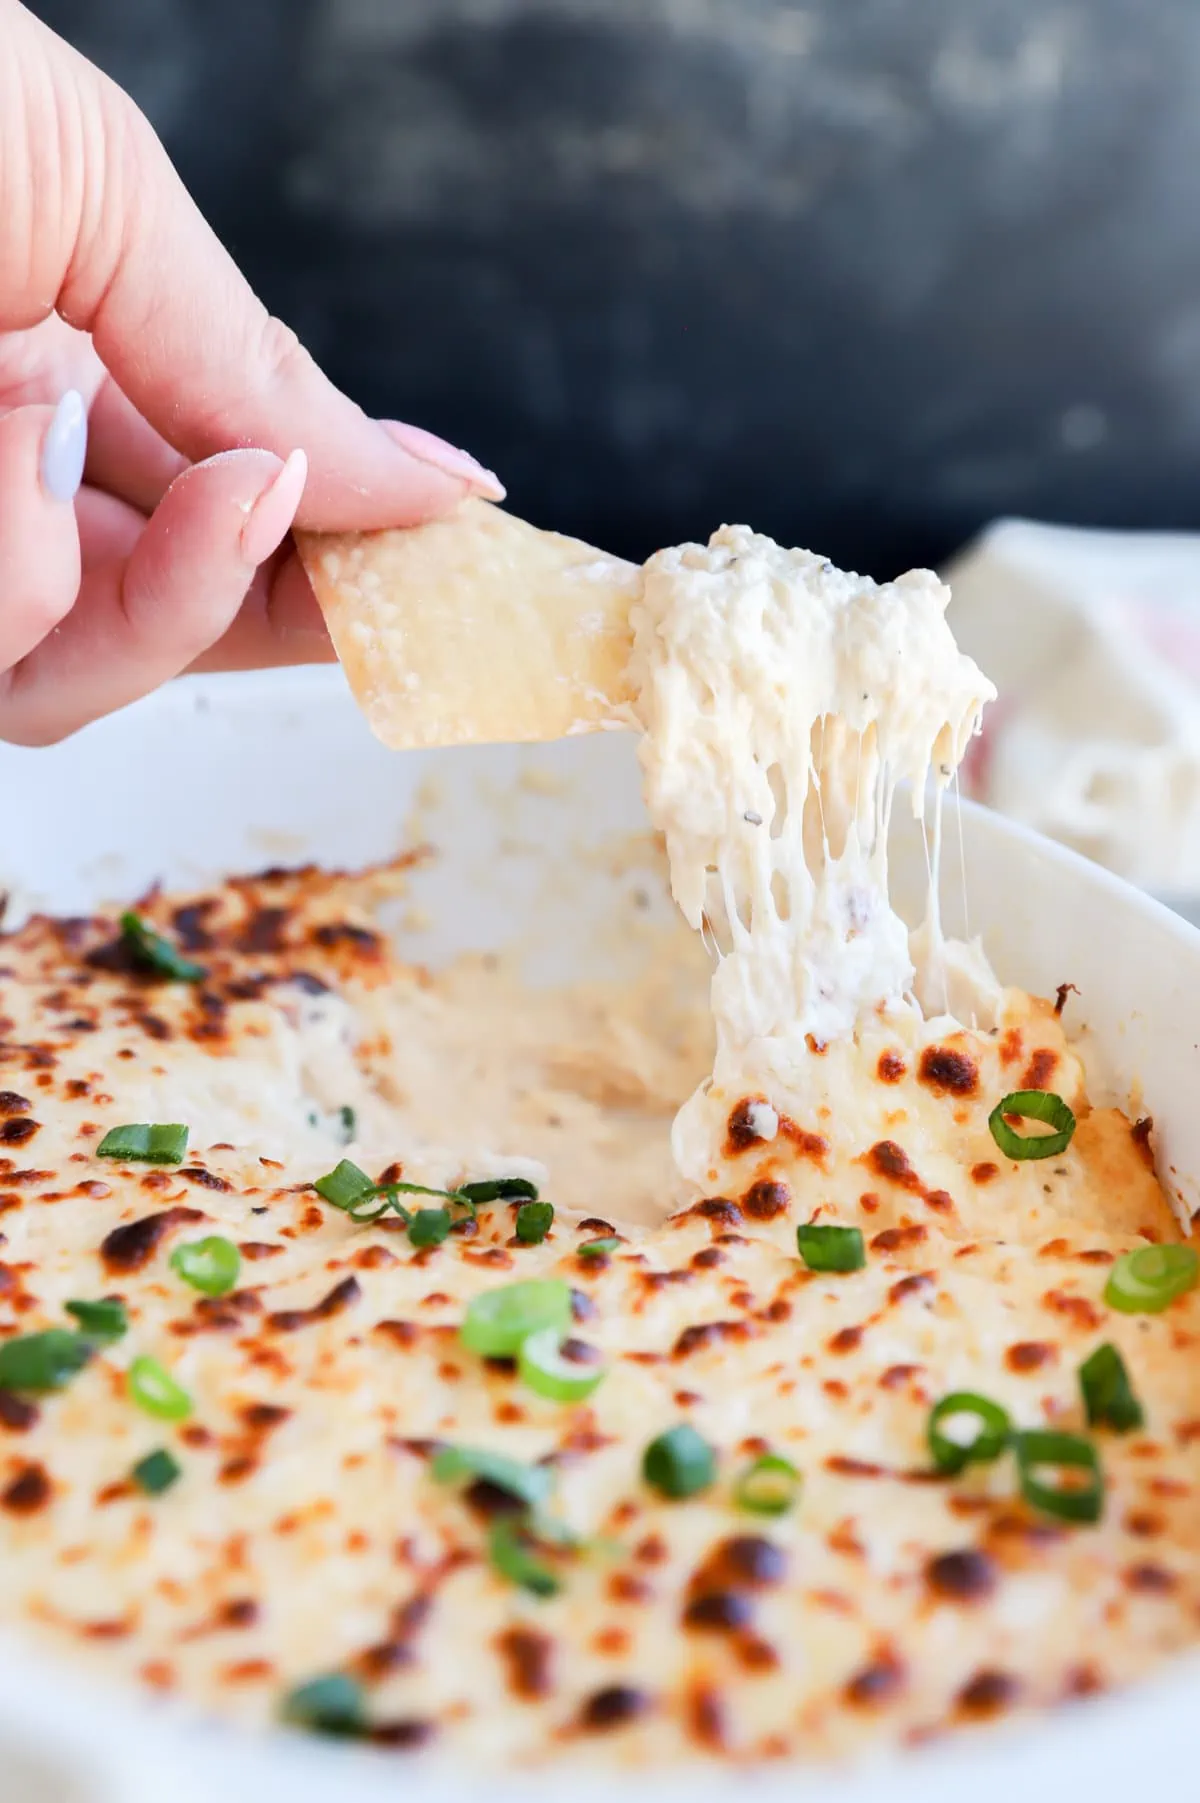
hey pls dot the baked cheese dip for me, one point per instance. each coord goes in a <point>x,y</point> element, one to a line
<point>368,1365</point>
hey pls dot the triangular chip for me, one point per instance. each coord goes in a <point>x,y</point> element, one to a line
<point>476,627</point>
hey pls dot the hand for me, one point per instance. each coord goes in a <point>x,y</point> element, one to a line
<point>159,431</point>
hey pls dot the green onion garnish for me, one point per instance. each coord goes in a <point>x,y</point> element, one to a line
<point>1146,1281</point>
<point>43,1361</point>
<point>831,1248</point>
<point>768,1486</point>
<point>534,1221</point>
<point>1032,1105</point>
<point>497,1189</point>
<point>679,1463</point>
<point>509,1552</point>
<point>530,1484</point>
<point>1044,1450</point>
<point>212,1265</point>
<point>542,1366</point>
<point>1108,1397</point>
<point>145,1143</point>
<point>497,1324</point>
<point>429,1226</point>
<point>598,1248</point>
<point>346,1186</point>
<point>156,953</point>
<point>155,1390</point>
<point>333,1704</point>
<point>991,1433</point>
<point>348,1122</point>
<point>156,1472</point>
<point>100,1321</point>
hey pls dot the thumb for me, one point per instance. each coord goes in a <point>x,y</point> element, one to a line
<point>123,253</point>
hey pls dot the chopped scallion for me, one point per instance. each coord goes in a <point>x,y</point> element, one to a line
<point>1108,1397</point>
<point>153,1388</point>
<point>212,1265</point>
<point>987,1425</point>
<point>679,1462</point>
<point>599,1248</point>
<point>334,1704</point>
<point>511,1555</point>
<point>499,1321</point>
<point>530,1484</point>
<point>143,1142</point>
<point>768,1486</point>
<point>1149,1279</point>
<point>534,1221</point>
<point>1032,1105</point>
<point>498,1189</point>
<point>157,1472</point>
<point>429,1226</point>
<point>100,1321</point>
<point>348,1123</point>
<point>831,1248</point>
<point>43,1361</point>
<point>156,953</point>
<point>1066,1457</point>
<point>548,1373</point>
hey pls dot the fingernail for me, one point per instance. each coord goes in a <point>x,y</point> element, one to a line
<point>65,447</point>
<point>274,511</point>
<point>429,449</point>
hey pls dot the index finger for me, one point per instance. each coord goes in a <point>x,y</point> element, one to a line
<point>122,252</point>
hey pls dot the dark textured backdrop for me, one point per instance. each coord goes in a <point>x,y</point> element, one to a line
<point>864,272</point>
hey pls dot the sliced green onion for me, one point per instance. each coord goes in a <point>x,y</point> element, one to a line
<point>679,1463</point>
<point>156,953</point>
<point>1108,1397</point>
<point>1146,1281</point>
<point>157,1472</point>
<point>530,1484</point>
<point>348,1122</point>
<point>153,1388</point>
<point>43,1361</point>
<point>334,1704</point>
<point>498,1189</point>
<point>768,1486</point>
<point>498,1322</point>
<point>831,1248</point>
<point>345,1186</point>
<point>542,1366</point>
<point>1044,1450</point>
<point>145,1143</point>
<point>212,1265</point>
<point>510,1555</point>
<point>992,1431</point>
<point>429,1226</point>
<point>100,1321</point>
<point>534,1221</point>
<point>1032,1105</point>
<point>598,1248</point>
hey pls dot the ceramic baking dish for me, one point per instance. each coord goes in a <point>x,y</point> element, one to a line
<point>219,775</point>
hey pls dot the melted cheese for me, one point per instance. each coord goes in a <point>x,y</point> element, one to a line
<point>307,1535</point>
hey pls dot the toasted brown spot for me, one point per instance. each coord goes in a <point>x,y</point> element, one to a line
<point>258,1249</point>
<point>948,1071</point>
<point>528,1657</point>
<point>262,1417</point>
<point>891,1067</point>
<point>339,1298</point>
<point>740,1134</point>
<point>718,1210</point>
<point>705,1716</point>
<point>196,1173</point>
<point>917,1284</point>
<point>1140,1134</point>
<point>403,1736</point>
<point>1151,1580</point>
<point>848,1467</point>
<point>1030,1355</point>
<point>894,1239</point>
<point>718,1611</point>
<point>745,1560</point>
<point>131,1247</point>
<point>17,1130</point>
<point>987,1693</point>
<point>12,1103</point>
<point>16,1413</point>
<point>889,1160</point>
<point>27,1492</point>
<point>897,1375</point>
<point>1041,1067</point>
<point>984,1172</point>
<point>612,1707</point>
<point>765,1200</point>
<point>1076,1309</point>
<point>847,1339</point>
<point>400,1333</point>
<point>965,1576</point>
<point>876,1683</point>
<point>809,1145</point>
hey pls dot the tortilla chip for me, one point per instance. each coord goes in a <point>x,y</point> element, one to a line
<point>476,628</point>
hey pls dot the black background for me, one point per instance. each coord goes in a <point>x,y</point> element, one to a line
<point>864,273</point>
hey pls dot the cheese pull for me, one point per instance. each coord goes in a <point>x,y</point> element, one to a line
<point>477,628</point>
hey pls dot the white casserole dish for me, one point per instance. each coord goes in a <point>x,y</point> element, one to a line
<point>227,774</point>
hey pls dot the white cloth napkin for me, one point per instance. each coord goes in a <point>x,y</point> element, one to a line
<point>1093,641</point>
